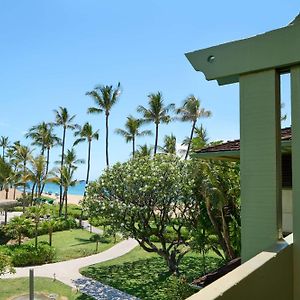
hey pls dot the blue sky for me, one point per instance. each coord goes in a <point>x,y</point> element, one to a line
<point>53,52</point>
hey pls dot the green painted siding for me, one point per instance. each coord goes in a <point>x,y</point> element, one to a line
<point>295,94</point>
<point>260,161</point>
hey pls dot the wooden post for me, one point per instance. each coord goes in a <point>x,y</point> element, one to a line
<point>31,284</point>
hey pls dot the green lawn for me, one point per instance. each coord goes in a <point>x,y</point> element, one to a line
<point>74,243</point>
<point>19,286</point>
<point>145,275</point>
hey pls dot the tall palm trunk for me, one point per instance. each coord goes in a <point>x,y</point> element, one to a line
<point>106,139</point>
<point>156,137</point>
<point>47,167</point>
<point>190,141</point>
<point>88,164</point>
<point>66,202</point>
<point>24,187</point>
<point>133,146</point>
<point>61,165</point>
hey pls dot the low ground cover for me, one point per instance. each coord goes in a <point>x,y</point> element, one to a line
<point>10,288</point>
<point>145,275</point>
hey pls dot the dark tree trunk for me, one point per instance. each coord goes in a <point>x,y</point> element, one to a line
<point>88,163</point>
<point>47,168</point>
<point>106,139</point>
<point>133,146</point>
<point>50,237</point>
<point>217,230</point>
<point>66,203</point>
<point>61,166</point>
<point>156,138</point>
<point>190,141</point>
<point>36,235</point>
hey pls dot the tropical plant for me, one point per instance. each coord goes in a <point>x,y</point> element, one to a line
<point>50,225</point>
<point>4,144</point>
<point>64,176</point>
<point>86,133</point>
<point>23,155</point>
<point>64,120</point>
<point>169,146</point>
<point>105,96</point>
<point>6,265</point>
<point>191,111</point>
<point>17,227</point>
<point>132,131</point>
<point>96,238</point>
<point>36,212</point>
<point>37,174</point>
<point>151,200</point>
<point>7,177</point>
<point>156,113</point>
<point>44,137</point>
<point>218,185</point>
<point>144,150</point>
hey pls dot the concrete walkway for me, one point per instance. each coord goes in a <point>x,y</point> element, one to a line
<point>68,271</point>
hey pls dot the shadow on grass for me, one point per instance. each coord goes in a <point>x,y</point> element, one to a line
<point>149,278</point>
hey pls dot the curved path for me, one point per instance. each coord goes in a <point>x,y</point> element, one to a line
<point>68,271</point>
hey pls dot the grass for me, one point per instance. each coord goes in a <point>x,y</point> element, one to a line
<point>146,276</point>
<point>70,244</point>
<point>17,287</point>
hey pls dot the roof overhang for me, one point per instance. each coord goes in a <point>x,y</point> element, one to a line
<point>273,49</point>
<point>234,155</point>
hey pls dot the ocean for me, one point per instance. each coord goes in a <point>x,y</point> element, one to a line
<point>53,188</point>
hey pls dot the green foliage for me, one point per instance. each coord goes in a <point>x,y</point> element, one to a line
<point>29,255</point>
<point>146,276</point>
<point>6,265</point>
<point>149,199</point>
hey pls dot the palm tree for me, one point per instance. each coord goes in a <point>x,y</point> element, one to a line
<point>36,212</point>
<point>191,111</point>
<point>4,144</point>
<point>64,175</point>
<point>43,136</point>
<point>105,96</point>
<point>17,227</point>
<point>49,225</point>
<point>132,126</point>
<point>37,173</point>
<point>169,144</point>
<point>157,113</point>
<point>199,140</point>
<point>38,134</point>
<point>86,133</point>
<point>63,119</point>
<point>7,176</point>
<point>23,155</point>
<point>144,150</point>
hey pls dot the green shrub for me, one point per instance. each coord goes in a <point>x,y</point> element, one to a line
<point>28,255</point>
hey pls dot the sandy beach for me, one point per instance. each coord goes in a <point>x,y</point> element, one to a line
<point>72,199</point>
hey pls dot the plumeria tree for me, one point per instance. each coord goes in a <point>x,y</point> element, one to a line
<point>149,199</point>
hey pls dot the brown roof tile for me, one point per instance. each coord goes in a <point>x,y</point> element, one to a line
<point>286,135</point>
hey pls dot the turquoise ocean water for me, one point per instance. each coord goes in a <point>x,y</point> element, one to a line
<point>53,188</point>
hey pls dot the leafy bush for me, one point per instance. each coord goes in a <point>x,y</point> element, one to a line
<point>28,255</point>
<point>60,225</point>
